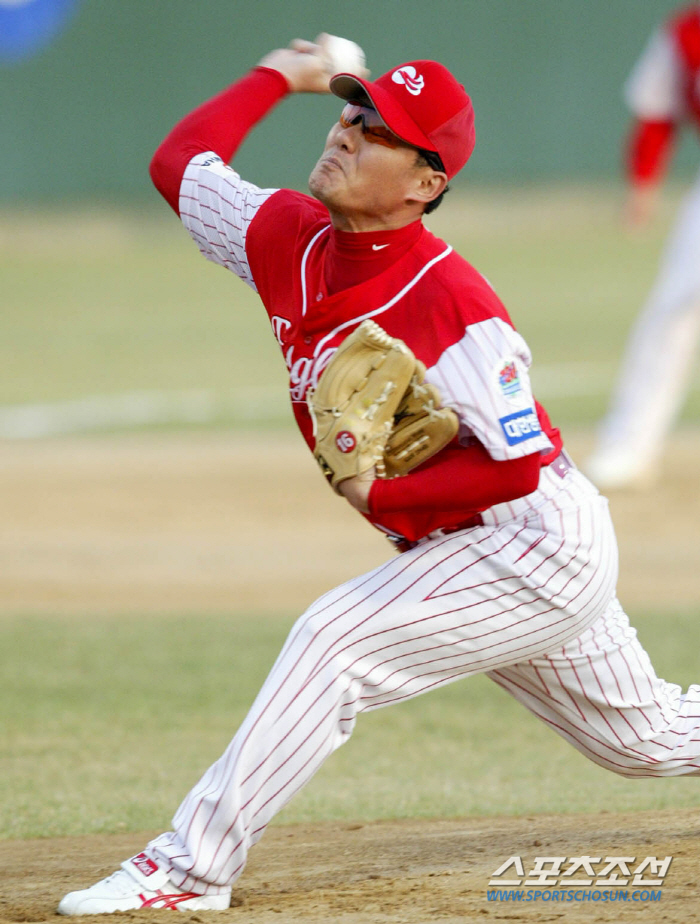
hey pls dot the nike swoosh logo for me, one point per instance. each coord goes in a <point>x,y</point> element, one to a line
<point>379,246</point>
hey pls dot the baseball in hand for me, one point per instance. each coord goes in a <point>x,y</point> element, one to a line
<point>342,56</point>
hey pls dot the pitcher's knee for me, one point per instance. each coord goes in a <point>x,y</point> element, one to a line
<point>635,764</point>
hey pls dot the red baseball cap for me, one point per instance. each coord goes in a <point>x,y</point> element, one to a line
<point>423,104</point>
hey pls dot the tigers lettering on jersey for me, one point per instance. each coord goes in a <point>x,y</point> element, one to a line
<point>279,327</point>
<point>305,371</point>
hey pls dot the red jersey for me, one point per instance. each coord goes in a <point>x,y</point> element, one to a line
<point>412,284</point>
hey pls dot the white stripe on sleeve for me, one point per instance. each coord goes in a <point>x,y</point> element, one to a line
<point>484,378</point>
<point>217,207</point>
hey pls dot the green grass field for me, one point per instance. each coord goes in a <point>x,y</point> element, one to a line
<point>108,722</point>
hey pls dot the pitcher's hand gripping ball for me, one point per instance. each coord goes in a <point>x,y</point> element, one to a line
<point>372,384</point>
<point>342,56</point>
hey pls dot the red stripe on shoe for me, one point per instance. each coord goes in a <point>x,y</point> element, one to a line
<point>169,901</point>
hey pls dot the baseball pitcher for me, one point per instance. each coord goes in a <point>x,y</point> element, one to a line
<point>411,388</point>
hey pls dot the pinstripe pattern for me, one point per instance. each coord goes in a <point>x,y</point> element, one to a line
<point>216,207</point>
<point>600,693</point>
<point>528,599</point>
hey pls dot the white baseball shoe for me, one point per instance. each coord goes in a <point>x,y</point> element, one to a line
<point>139,883</point>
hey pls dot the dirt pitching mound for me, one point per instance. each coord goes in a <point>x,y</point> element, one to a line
<point>386,872</point>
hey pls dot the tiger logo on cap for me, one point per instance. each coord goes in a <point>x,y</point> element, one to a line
<point>410,78</point>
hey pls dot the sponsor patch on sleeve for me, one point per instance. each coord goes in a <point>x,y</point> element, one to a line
<point>520,426</point>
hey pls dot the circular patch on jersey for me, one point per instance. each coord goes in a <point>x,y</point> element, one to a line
<point>345,441</point>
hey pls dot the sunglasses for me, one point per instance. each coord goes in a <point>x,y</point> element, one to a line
<point>373,129</point>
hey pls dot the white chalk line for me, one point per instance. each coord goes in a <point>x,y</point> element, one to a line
<point>135,409</point>
<point>141,409</point>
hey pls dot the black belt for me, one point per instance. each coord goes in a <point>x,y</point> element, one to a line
<point>559,465</point>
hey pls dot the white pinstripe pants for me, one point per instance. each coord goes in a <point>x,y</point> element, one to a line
<point>529,598</point>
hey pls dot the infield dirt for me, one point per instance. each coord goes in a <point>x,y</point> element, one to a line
<point>203,522</point>
<point>381,873</point>
<point>152,524</point>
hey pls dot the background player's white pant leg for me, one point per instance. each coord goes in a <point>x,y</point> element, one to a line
<point>465,603</point>
<point>658,362</point>
<point>600,692</point>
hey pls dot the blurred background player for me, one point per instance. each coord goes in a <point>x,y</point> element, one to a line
<point>663,93</point>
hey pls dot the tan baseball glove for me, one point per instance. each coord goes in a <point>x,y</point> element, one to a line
<point>372,409</point>
<point>421,427</point>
